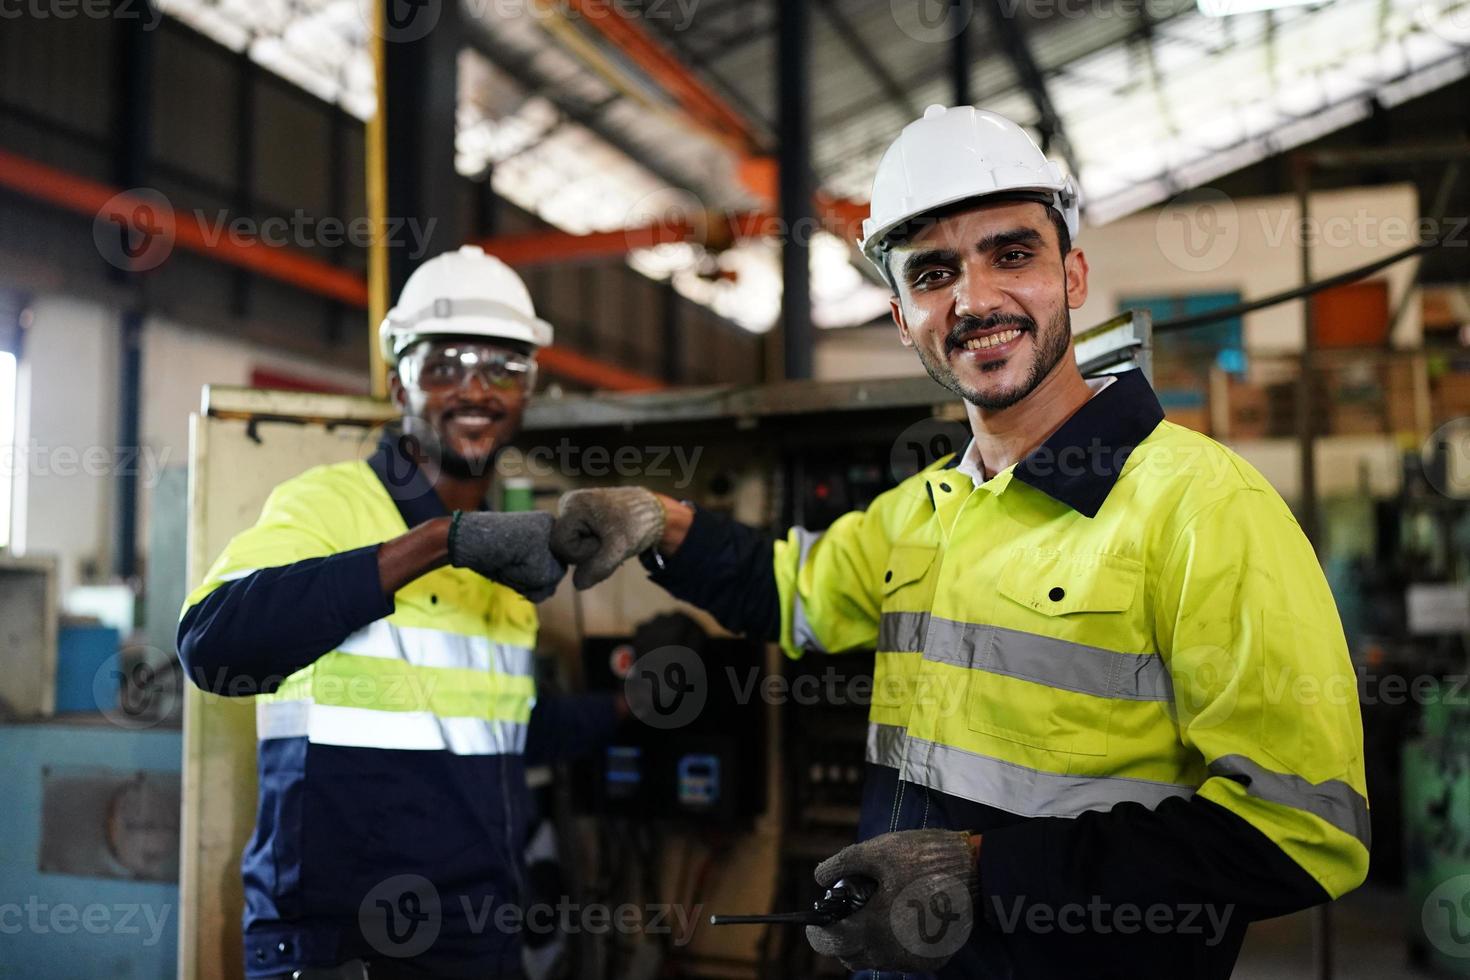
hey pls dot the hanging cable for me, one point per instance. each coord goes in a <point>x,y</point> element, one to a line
<point>1240,309</point>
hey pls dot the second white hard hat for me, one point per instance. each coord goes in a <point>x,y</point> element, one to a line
<point>951,155</point>
<point>462,293</point>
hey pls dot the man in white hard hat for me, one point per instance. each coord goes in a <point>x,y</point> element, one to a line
<point>386,620</point>
<point>1086,752</point>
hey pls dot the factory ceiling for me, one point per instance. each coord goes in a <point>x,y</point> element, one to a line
<point>599,115</point>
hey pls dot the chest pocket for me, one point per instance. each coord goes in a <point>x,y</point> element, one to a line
<point>908,592</point>
<point>1048,671</point>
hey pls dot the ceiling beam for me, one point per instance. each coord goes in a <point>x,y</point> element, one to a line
<point>849,35</point>
<point>1017,46</point>
<point>754,116</point>
<point>700,103</point>
<point>940,69</point>
<point>521,70</point>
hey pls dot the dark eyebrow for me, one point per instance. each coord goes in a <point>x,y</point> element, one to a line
<point>1016,236</point>
<point>990,243</point>
<point>930,256</point>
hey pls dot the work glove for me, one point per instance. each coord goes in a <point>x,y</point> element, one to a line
<point>512,549</point>
<point>922,910</point>
<point>598,530</point>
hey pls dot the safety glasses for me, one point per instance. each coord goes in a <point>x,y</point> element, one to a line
<point>448,368</point>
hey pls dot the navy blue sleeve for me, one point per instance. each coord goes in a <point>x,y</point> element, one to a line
<point>1183,853</point>
<point>569,725</point>
<point>728,570</point>
<point>249,634</point>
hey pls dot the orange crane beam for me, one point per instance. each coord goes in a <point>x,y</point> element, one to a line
<point>715,230</point>
<point>98,201</point>
<point>696,98</point>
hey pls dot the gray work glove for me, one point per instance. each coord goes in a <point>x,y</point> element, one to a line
<point>922,911</point>
<point>598,530</point>
<point>512,549</point>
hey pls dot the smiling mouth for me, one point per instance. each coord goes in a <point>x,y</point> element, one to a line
<point>473,416</point>
<point>991,340</point>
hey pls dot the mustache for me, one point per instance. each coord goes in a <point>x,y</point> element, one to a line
<point>975,324</point>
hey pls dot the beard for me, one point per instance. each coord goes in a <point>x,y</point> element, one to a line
<point>464,467</point>
<point>1051,346</point>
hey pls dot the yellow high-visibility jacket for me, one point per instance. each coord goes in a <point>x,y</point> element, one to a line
<point>1117,660</point>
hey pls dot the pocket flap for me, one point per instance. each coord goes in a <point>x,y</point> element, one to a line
<point>1059,583</point>
<point>906,564</point>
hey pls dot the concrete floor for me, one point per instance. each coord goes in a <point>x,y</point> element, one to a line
<point>1369,942</point>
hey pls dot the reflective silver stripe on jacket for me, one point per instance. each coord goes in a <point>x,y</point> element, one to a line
<point>1022,790</point>
<point>425,647</point>
<point>1044,660</point>
<point>902,632</point>
<point>325,724</point>
<point>1333,800</point>
<point>801,630</point>
<point>885,744</point>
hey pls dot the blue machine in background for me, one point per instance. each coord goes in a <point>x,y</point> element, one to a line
<point>89,820</point>
<point>88,827</point>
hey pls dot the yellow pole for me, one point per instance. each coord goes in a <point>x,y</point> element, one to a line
<point>377,199</point>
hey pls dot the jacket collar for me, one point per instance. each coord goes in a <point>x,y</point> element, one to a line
<point>1080,462</point>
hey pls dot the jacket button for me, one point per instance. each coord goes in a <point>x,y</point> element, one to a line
<point>283,947</point>
<point>1057,594</point>
<point>433,599</point>
<point>888,576</point>
<point>259,954</point>
<point>944,487</point>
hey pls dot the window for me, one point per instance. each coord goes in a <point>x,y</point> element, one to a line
<point>8,454</point>
<point>13,319</point>
<point>1180,358</point>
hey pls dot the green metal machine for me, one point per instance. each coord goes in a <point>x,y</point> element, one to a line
<point>1436,801</point>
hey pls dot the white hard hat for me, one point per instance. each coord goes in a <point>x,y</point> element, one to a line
<point>951,155</point>
<point>462,293</point>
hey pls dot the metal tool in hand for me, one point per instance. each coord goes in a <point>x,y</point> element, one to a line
<point>843,899</point>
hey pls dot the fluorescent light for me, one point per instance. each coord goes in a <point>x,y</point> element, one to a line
<point>1228,8</point>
